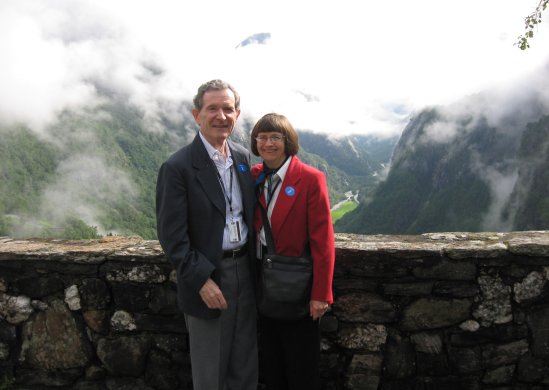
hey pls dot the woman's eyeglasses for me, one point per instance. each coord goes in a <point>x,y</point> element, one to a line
<point>273,138</point>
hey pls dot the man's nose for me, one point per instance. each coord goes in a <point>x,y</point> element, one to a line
<point>221,114</point>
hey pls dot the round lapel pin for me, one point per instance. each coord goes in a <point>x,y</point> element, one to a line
<point>290,191</point>
<point>243,168</point>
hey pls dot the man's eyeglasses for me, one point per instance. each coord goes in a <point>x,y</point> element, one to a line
<point>273,138</point>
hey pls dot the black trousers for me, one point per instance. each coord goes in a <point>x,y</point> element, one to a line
<point>289,353</point>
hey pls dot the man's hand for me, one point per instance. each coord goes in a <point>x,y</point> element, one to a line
<point>212,295</point>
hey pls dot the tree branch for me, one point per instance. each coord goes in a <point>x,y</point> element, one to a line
<point>530,23</point>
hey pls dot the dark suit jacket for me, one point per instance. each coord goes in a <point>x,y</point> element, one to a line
<point>302,215</point>
<point>190,211</point>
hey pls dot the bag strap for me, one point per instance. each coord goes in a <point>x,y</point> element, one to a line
<point>268,232</point>
<point>271,248</point>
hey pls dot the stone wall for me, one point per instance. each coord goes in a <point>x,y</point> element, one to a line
<point>437,311</point>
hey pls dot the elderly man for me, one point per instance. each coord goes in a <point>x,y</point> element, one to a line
<point>204,208</point>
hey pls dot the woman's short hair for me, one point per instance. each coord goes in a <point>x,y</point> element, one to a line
<point>214,85</point>
<point>276,123</point>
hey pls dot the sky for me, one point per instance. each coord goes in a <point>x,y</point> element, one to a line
<point>345,67</point>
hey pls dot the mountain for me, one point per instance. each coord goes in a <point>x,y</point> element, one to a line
<point>357,155</point>
<point>255,39</point>
<point>530,197</point>
<point>361,159</point>
<point>93,167</point>
<point>93,171</point>
<point>478,165</point>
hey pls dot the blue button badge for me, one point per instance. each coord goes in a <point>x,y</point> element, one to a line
<point>243,168</point>
<point>290,191</point>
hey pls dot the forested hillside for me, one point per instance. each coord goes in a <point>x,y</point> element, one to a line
<point>464,168</point>
<point>90,169</point>
<point>530,197</point>
<point>363,159</point>
<point>93,172</point>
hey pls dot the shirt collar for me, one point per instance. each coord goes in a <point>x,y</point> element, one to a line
<point>213,152</point>
<point>281,173</point>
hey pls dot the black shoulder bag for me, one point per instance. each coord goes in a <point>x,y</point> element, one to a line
<point>285,281</point>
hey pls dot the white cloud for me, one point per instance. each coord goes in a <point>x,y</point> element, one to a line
<point>369,64</point>
<point>84,184</point>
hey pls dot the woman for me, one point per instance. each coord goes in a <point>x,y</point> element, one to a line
<point>295,196</point>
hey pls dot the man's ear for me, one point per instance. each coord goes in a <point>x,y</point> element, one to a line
<point>195,113</point>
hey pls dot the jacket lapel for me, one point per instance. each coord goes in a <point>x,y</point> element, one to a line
<point>206,176</point>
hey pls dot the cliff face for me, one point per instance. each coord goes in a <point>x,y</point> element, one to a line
<point>461,168</point>
<point>447,310</point>
<point>529,202</point>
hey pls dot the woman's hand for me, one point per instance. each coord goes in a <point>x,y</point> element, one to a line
<point>318,308</point>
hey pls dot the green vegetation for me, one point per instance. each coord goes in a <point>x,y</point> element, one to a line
<point>28,166</point>
<point>533,209</point>
<point>93,172</point>
<point>105,156</point>
<point>343,209</point>
<point>337,180</point>
<point>75,229</point>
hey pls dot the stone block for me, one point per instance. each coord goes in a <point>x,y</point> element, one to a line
<point>400,361</point>
<point>41,379</point>
<point>532,369</point>
<point>456,289</point>
<point>430,343</point>
<point>448,270</point>
<point>163,299</point>
<point>407,289</point>
<point>499,375</point>
<point>498,355</point>
<point>131,297</point>
<point>94,294</point>
<point>432,313</point>
<point>362,382</point>
<point>432,365</point>
<point>368,337</point>
<point>160,372</point>
<point>125,355</point>
<point>54,340</point>
<point>364,307</point>
<point>465,360</point>
<point>530,288</point>
<point>538,322</point>
<point>40,287</point>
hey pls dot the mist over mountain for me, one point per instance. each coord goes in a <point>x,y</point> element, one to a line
<point>92,171</point>
<point>93,167</point>
<point>478,165</point>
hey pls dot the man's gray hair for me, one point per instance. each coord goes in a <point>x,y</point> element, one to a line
<point>214,85</point>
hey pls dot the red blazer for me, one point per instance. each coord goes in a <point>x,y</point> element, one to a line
<point>302,214</point>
